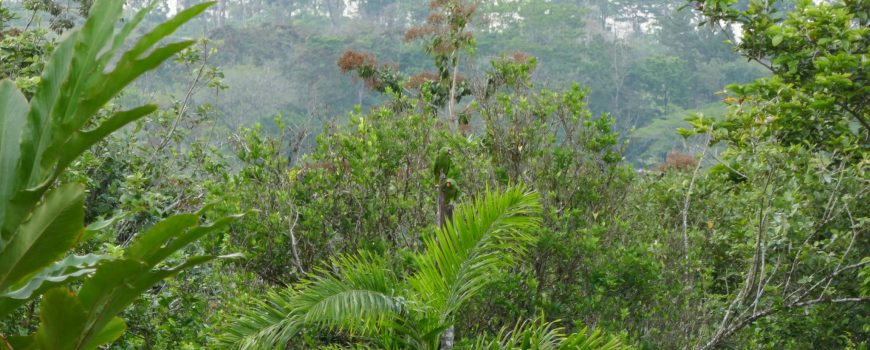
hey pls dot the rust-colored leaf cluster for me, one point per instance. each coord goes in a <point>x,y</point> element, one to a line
<point>419,79</point>
<point>376,76</point>
<point>10,33</point>
<point>519,57</point>
<point>679,161</point>
<point>447,20</point>
<point>416,33</point>
<point>353,60</point>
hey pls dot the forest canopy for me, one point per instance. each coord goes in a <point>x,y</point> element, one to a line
<point>434,174</point>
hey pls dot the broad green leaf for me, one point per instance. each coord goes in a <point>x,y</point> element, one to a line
<point>76,63</point>
<point>149,242</point>
<point>118,283</point>
<point>102,224</point>
<point>54,227</point>
<point>71,268</point>
<point>20,342</point>
<point>776,40</point>
<point>13,113</point>
<point>38,140</point>
<point>37,136</point>
<point>92,39</point>
<point>128,69</point>
<point>189,237</point>
<point>62,319</point>
<point>123,34</point>
<point>108,334</point>
<point>80,141</point>
<point>134,63</point>
<point>113,280</point>
<point>91,316</point>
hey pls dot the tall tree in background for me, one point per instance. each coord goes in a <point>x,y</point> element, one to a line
<point>818,55</point>
<point>796,138</point>
<point>446,34</point>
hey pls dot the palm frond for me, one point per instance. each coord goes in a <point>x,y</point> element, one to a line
<point>357,296</point>
<point>585,339</point>
<point>267,324</point>
<point>540,334</point>
<point>360,296</point>
<point>535,334</point>
<point>484,236</point>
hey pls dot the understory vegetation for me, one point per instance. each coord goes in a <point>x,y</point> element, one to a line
<point>533,175</point>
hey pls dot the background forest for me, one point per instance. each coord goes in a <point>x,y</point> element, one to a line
<point>419,174</point>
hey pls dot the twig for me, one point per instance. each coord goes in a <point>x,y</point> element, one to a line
<point>296,260</point>
<point>767,312</point>
<point>686,203</point>
<point>183,109</point>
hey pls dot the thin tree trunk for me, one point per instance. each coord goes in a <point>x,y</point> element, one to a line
<point>447,339</point>
<point>451,105</point>
<point>445,213</point>
<point>221,12</point>
<point>293,245</point>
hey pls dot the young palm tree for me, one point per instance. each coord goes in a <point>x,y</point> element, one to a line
<point>365,303</point>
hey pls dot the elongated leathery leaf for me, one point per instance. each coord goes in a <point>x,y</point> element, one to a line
<point>61,316</point>
<point>74,87</point>
<point>134,63</point>
<point>82,140</point>
<point>54,227</point>
<point>64,326</point>
<point>13,113</point>
<point>117,284</point>
<point>71,268</point>
<point>40,223</point>
<point>189,237</point>
<point>148,242</point>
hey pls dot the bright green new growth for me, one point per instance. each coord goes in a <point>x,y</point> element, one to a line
<point>41,221</point>
<point>362,297</point>
<point>542,335</point>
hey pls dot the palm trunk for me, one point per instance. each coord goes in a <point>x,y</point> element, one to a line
<point>447,339</point>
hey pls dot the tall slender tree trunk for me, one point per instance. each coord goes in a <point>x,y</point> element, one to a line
<point>451,105</point>
<point>221,12</point>
<point>445,213</point>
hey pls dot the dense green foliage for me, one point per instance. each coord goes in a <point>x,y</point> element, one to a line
<point>482,193</point>
<point>363,297</point>
<point>41,221</point>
